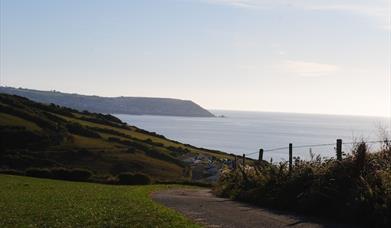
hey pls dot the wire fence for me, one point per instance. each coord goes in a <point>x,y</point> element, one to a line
<point>310,146</point>
<point>338,150</point>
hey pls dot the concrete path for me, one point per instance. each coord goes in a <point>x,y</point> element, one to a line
<point>203,207</point>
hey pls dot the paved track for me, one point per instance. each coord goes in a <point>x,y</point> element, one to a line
<point>204,208</point>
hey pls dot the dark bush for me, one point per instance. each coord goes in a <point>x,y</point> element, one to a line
<point>148,140</point>
<point>131,150</point>
<point>38,172</point>
<point>134,179</point>
<point>140,178</point>
<point>177,151</point>
<point>76,155</point>
<point>2,146</point>
<point>11,138</point>
<point>118,167</point>
<point>61,173</point>
<point>104,121</point>
<point>109,117</point>
<point>150,133</point>
<point>151,142</point>
<point>80,174</point>
<point>11,172</point>
<point>37,118</point>
<point>114,139</point>
<point>54,117</point>
<point>125,178</point>
<point>78,129</point>
<point>161,155</point>
<point>71,174</point>
<point>109,131</point>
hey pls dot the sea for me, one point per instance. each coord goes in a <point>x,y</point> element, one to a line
<point>240,132</point>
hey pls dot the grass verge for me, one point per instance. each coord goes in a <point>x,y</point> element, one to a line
<point>33,202</point>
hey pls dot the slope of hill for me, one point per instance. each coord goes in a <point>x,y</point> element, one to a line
<point>45,136</point>
<point>117,105</point>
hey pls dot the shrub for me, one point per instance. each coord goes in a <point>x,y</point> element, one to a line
<point>78,129</point>
<point>80,174</point>
<point>134,179</point>
<point>11,138</point>
<point>61,173</point>
<point>108,117</point>
<point>71,174</point>
<point>38,172</point>
<point>11,172</point>
<point>140,178</point>
<point>357,189</point>
<point>114,139</point>
<point>125,178</point>
<point>98,120</point>
<point>72,155</point>
<point>131,150</point>
<point>162,155</point>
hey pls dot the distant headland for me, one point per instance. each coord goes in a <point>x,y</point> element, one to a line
<point>114,105</point>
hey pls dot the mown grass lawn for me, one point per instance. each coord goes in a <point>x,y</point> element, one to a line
<point>26,201</point>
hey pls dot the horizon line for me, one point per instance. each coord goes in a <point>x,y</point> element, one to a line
<point>209,109</point>
<point>301,113</point>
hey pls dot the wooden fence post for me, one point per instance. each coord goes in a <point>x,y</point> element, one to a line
<point>244,160</point>
<point>290,157</point>
<point>235,162</point>
<point>260,158</point>
<point>339,149</point>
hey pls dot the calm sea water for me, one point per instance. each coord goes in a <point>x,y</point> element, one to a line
<point>246,132</point>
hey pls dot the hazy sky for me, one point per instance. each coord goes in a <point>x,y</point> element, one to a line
<point>316,56</point>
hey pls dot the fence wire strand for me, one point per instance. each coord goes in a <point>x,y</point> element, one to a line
<point>315,145</point>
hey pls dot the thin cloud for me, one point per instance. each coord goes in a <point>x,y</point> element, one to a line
<point>309,69</point>
<point>379,10</point>
<point>237,3</point>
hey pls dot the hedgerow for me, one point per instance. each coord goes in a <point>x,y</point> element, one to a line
<point>356,189</point>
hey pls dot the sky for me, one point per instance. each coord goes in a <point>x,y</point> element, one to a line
<point>306,56</point>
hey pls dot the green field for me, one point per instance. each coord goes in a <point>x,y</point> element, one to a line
<point>32,202</point>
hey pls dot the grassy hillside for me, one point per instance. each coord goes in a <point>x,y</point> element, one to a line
<point>32,202</point>
<point>46,136</point>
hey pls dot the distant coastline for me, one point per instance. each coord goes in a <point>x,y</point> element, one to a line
<point>119,105</point>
